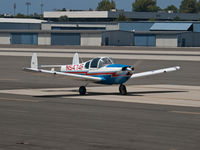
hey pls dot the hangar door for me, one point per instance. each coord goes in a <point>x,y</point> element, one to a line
<point>145,40</point>
<point>65,39</point>
<point>166,40</point>
<point>24,38</point>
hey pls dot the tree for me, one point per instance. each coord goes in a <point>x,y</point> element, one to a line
<point>198,6</point>
<point>152,19</point>
<point>112,5</point>
<point>63,19</point>
<point>64,9</point>
<point>145,6</point>
<point>172,8</point>
<point>36,15</point>
<point>188,6</point>
<point>177,18</point>
<point>122,18</point>
<point>106,5</point>
<point>19,16</point>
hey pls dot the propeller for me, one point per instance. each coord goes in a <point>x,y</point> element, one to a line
<point>125,71</point>
<point>128,70</point>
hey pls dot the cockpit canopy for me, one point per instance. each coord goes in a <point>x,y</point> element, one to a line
<point>98,62</point>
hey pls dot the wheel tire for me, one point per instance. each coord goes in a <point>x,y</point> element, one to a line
<point>122,89</point>
<point>82,90</point>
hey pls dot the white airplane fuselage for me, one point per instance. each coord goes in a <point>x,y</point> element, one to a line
<point>110,74</point>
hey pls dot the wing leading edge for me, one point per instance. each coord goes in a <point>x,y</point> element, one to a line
<point>154,72</point>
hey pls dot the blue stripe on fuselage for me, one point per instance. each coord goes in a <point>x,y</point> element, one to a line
<point>117,65</point>
<point>109,79</point>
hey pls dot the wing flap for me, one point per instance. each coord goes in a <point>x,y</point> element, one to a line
<point>154,72</point>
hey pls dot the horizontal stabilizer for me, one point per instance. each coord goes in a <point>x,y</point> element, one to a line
<point>50,66</point>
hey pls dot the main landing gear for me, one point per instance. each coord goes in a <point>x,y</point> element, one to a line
<point>122,89</point>
<point>82,90</point>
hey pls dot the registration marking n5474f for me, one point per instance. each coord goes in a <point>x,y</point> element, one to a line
<point>74,67</point>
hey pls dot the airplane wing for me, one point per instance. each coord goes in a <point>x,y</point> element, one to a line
<point>34,68</point>
<point>69,75</point>
<point>154,72</point>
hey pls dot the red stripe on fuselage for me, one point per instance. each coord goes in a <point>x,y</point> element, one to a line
<point>100,73</point>
<point>91,74</point>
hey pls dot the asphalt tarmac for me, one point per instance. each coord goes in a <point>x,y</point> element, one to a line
<point>61,122</point>
<point>12,76</point>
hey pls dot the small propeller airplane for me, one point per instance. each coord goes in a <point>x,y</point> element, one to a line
<point>100,70</point>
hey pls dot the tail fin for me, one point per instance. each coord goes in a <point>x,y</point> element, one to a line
<point>75,59</point>
<point>34,61</point>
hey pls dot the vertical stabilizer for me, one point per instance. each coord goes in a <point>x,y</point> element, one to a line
<point>34,61</point>
<point>75,60</point>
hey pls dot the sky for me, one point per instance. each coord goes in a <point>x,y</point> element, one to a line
<point>6,6</point>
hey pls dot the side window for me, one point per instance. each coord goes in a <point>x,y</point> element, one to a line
<point>94,63</point>
<point>87,65</point>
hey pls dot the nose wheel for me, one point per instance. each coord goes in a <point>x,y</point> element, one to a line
<point>122,89</point>
<point>82,90</point>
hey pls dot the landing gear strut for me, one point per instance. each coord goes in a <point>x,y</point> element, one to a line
<point>82,90</point>
<point>122,89</point>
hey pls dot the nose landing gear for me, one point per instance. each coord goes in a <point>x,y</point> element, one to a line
<point>122,89</point>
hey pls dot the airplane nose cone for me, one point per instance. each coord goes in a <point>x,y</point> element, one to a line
<point>128,69</point>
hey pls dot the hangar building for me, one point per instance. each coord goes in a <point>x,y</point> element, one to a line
<point>137,33</point>
<point>107,16</point>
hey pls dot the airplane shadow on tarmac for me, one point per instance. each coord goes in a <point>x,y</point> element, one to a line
<point>142,93</point>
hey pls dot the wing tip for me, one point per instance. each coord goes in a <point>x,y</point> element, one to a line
<point>178,67</point>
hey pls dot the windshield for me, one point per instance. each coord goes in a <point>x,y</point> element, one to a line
<point>105,61</point>
<point>99,62</point>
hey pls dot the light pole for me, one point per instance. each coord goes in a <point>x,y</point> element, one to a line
<point>41,6</point>
<point>27,5</point>
<point>14,7</point>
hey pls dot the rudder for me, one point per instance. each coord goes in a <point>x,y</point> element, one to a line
<point>75,60</point>
<point>34,61</point>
